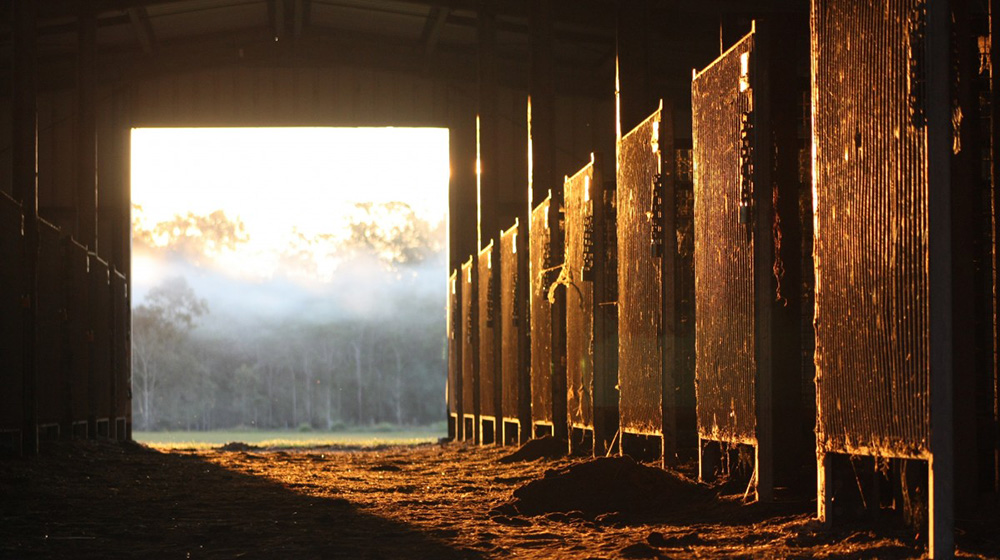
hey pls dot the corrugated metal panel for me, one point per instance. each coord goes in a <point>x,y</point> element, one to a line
<point>724,248</point>
<point>578,270</point>
<point>541,275</point>
<point>488,268</point>
<point>871,237</point>
<point>515,391</point>
<point>640,283</point>
<point>51,321</point>
<point>11,319</point>
<point>470,343</point>
<point>77,334</point>
<point>454,327</point>
<point>101,318</point>
<point>122,345</point>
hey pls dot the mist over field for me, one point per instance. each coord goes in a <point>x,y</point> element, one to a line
<point>305,344</point>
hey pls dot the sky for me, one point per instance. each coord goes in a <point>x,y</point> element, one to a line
<point>279,181</point>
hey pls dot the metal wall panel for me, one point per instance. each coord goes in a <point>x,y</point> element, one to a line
<point>578,270</point>
<point>871,238</point>
<point>122,344</point>
<point>78,333</point>
<point>101,317</point>
<point>11,319</point>
<point>51,321</point>
<point>454,390</point>
<point>724,248</point>
<point>470,350</point>
<point>542,275</point>
<point>488,268</point>
<point>514,363</point>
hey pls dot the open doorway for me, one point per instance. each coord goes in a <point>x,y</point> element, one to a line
<point>288,283</point>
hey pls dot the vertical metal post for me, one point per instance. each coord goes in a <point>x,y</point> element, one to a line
<point>486,130</point>
<point>939,143</point>
<point>763,259</point>
<point>24,174</point>
<point>86,126</point>
<point>995,199</point>
<point>542,174</point>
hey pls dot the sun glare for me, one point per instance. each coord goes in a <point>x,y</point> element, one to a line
<point>284,185</point>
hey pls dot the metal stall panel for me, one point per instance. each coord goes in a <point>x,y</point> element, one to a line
<point>11,320</point>
<point>454,389</point>
<point>514,362</point>
<point>578,270</point>
<point>52,291</point>
<point>640,283</point>
<point>77,335</point>
<point>470,352</point>
<point>121,355</point>
<point>726,367</point>
<point>871,232</point>
<point>101,320</point>
<point>488,269</point>
<point>542,276</point>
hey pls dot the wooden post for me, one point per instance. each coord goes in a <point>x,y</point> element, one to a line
<point>24,175</point>
<point>939,143</point>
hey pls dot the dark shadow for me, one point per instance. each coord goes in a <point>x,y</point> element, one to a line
<point>107,500</point>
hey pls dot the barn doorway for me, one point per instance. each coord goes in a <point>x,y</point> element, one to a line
<point>288,283</point>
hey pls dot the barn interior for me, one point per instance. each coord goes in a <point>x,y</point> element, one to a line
<point>531,92</point>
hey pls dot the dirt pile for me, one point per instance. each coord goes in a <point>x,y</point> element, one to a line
<point>546,447</point>
<point>238,446</point>
<point>605,486</point>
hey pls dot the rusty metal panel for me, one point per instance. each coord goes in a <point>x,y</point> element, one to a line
<point>77,333</point>
<point>871,237</point>
<point>454,390</point>
<point>514,364</point>
<point>51,321</point>
<point>722,101</point>
<point>591,276</point>
<point>578,270</point>
<point>101,320</point>
<point>488,267</point>
<point>470,346</point>
<point>640,286</point>
<point>542,276</point>
<point>11,319</point>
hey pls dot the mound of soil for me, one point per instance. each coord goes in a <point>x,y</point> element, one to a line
<point>546,447</point>
<point>607,485</point>
<point>238,446</point>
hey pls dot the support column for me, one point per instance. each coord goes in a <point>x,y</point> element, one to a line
<point>86,127</point>
<point>542,174</point>
<point>488,188</point>
<point>941,542</point>
<point>545,177</point>
<point>636,100</point>
<point>24,174</point>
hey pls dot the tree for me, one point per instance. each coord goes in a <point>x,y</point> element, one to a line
<point>160,328</point>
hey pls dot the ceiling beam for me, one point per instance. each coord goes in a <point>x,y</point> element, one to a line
<point>143,29</point>
<point>432,28</point>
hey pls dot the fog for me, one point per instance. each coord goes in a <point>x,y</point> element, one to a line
<point>344,328</point>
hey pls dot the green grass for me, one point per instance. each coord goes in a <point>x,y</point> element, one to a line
<point>215,438</point>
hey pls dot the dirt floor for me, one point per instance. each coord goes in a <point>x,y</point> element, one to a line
<point>105,500</point>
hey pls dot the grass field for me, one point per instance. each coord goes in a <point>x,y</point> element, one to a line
<point>204,440</point>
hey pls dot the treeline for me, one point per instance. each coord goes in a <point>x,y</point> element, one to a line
<point>292,375</point>
<point>363,346</point>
